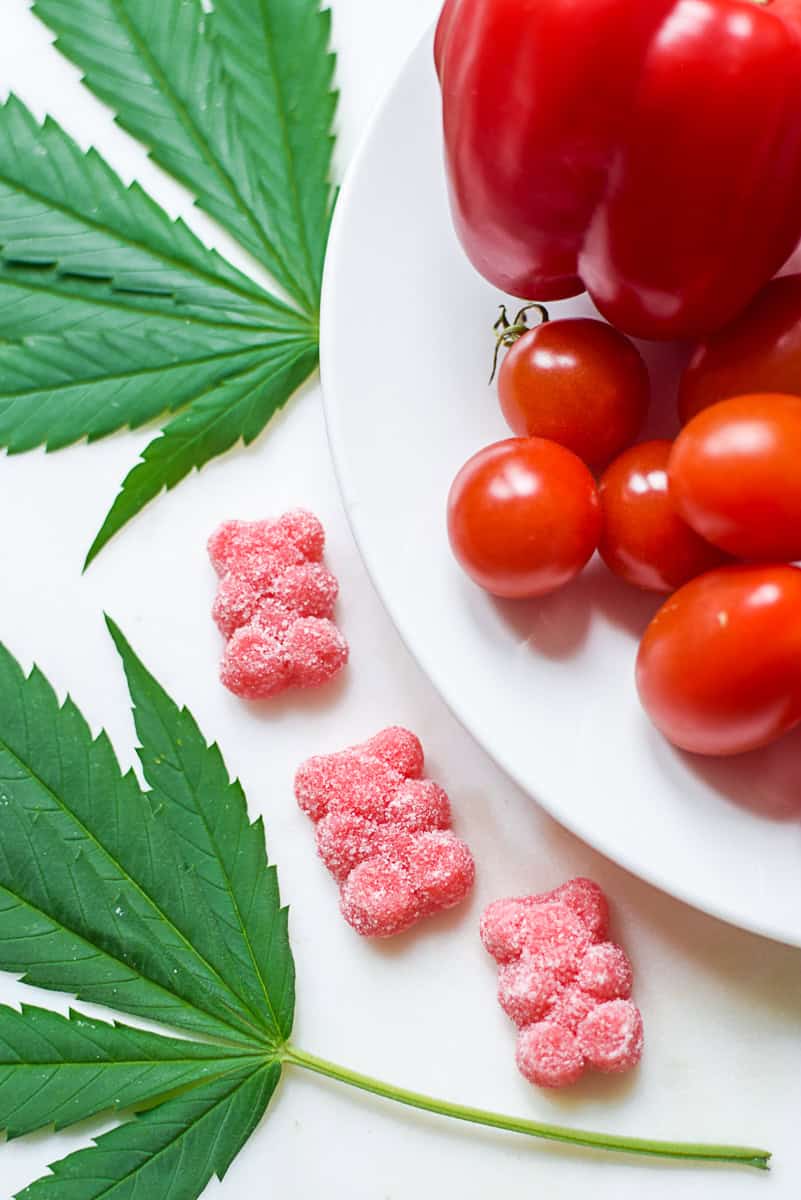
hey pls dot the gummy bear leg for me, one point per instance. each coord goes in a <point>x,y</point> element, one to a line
<point>549,1055</point>
<point>254,666</point>
<point>611,1036</point>
<point>317,651</point>
<point>377,899</point>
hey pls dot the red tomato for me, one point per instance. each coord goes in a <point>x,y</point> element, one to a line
<point>735,476</point>
<point>579,383</point>
<point>644,540</point>
<point>523,517</point>
<point>759,352</point>
<point>719,668</point>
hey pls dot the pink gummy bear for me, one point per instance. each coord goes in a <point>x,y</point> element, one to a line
<point>563,984</point>
<point>384,833</point>
<point>274,606</point>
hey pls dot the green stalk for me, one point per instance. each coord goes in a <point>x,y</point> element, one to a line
<point>745,1156</point>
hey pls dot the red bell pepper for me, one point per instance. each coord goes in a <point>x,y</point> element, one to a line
<point>646,150</point>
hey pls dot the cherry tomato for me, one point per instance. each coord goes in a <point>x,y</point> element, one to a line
<point>579,383</point>
<point>644,540</point>
<point>735,476</point>
<point>759,352</point>
<point>719,668</point>
<point>523,517</point>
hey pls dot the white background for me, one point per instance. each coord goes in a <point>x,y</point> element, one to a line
<point>722,1008</point>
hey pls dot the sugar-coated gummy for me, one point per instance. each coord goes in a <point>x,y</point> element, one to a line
<point>588,902</point>
<point>234,541</point>
<point>563,984</point>
<point>384,833</point>
<point>606,972</point>
<point>420,804</point>
<point>556,938</point>
<point>549,1055</point>
<point>245,546</point>
<point>274,589</point>
<point>441,869</point>
<point>308,589</point>
<point>572,1005</point>
<point>357,784</point>
<point>271,616</point>
<point>255,665</point>
<point>344,840</point>
<point>526,993</point>
<point>304,531</point>
<point>502,929</point>
<point>378,900</point>
<point>400,749</point>
<point>611,1036</point>
<point>316,649</point>
<point>235,604</point>
<point>321,780</point>
<point>510,926</point>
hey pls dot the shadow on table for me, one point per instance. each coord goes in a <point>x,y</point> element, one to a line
<point>766,782</point>
<point>306,700</point>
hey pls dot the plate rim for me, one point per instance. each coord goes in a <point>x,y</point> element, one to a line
<point>331,409</point>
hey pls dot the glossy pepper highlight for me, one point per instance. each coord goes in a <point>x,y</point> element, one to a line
<point>648,151</point>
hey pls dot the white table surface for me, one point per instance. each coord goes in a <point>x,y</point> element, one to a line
<point>722,1008</point>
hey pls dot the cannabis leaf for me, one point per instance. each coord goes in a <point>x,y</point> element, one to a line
<point>115,315</point>
<point>56,390</point>
<point>171,1151</point>
<point>57,1071</point>
<point>283,95</point>
<point>158,902</point>
<point>111,918</point>
<point>62,207</point>
<point>158,67</point>
<point>237,407</point>
<point>208,818</point>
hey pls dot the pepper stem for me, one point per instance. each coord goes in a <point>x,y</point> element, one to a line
<point>697,1152</point>
<point>508,332</point>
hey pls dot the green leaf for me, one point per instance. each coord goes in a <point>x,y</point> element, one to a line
<point>75,832</point>
<point>157,67</point>
<point>41,300</point>
<point>90,875</point>
<point>238,104</point>
<point>283,72</point>
<point>237,409</point>
<point>62,207</point>
<point>49,954</point>
<point>57,1071</point>
<point>171,1152</point>
<point>208,814</point>
<point>87,384</point>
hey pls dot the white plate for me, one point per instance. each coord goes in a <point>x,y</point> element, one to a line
<point>546,687</point>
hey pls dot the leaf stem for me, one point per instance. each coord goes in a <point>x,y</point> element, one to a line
<point>697,1152</point>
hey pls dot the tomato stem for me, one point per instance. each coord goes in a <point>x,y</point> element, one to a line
<point>508,332</point>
